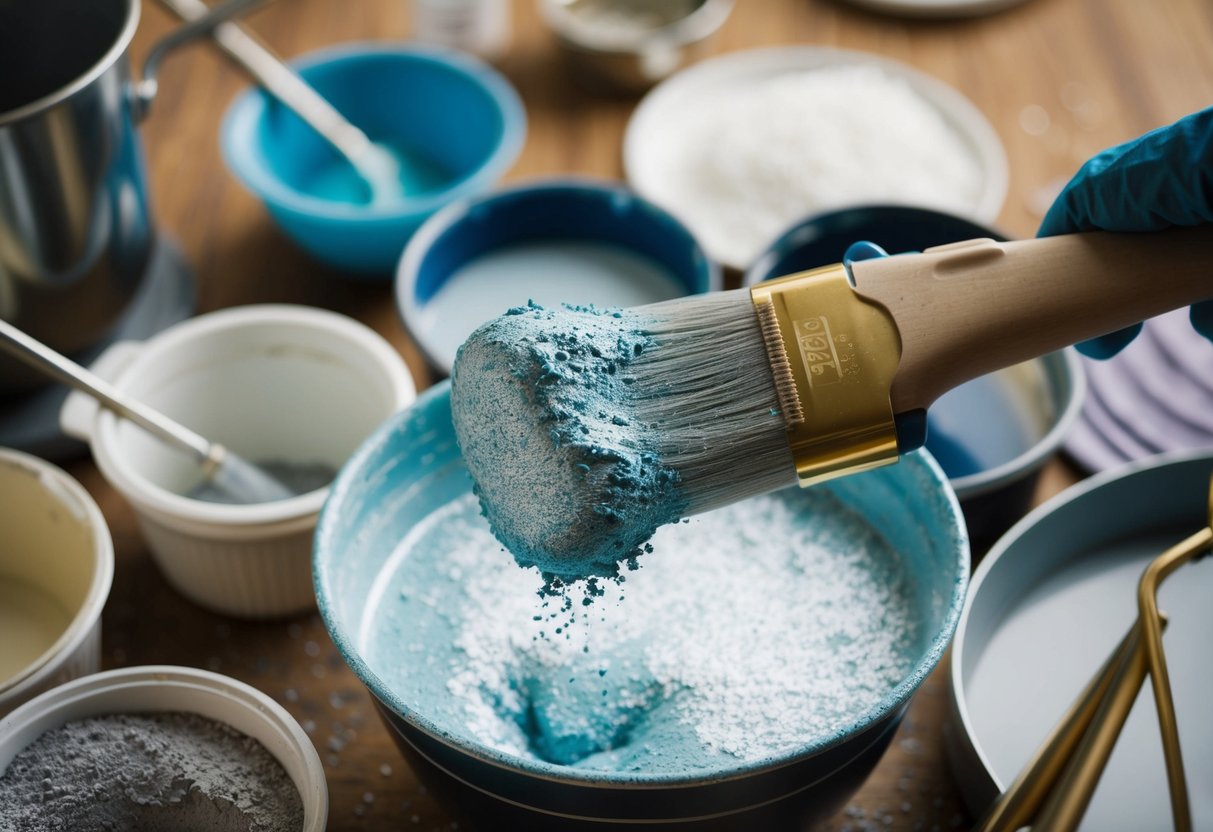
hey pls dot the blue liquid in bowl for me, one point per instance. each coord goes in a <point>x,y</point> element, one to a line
<point>334,179</point>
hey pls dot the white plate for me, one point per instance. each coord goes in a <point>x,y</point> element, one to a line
<point>658,115</point>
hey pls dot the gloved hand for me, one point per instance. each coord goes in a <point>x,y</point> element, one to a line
<point>1161,179</point>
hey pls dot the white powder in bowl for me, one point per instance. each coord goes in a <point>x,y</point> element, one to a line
<point>749,632</point>
<point>746,160</point>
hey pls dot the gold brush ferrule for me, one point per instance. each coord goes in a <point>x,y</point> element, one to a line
<point>843,352</point>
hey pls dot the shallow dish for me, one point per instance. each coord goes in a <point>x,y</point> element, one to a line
<point>411,468</point>
<point>275,383</point>
<point>1049,604</point>
<point>631,57</point>
<point>660,122</point>
<point>992,435</point>
<point>456,117</point>
<point>569,240</point>
<point>56,567</point>
<point>164,688</point>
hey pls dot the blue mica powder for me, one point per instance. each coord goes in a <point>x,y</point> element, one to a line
<point>540,401</point>
<point>750,632</point>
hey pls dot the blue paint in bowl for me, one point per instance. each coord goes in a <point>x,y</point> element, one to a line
<point>456,123</point>
<point>991,435</point>
<point>411,468</point>
<point>565,240</point>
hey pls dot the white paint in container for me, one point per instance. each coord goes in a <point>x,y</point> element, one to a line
<point>550,272</point>
<point>56,566</point>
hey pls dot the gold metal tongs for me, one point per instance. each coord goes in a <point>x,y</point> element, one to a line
<point>1053,791</point>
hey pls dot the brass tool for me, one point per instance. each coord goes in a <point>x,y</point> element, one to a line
<point>1053,791</point>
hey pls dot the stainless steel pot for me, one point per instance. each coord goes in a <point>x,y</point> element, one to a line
<point>76,232</point>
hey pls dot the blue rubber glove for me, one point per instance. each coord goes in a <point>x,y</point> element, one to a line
<point>1162,179</point>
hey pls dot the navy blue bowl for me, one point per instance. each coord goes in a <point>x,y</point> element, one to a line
<point>408,470</point>
<point>994,492</point>
<point>562,210</point>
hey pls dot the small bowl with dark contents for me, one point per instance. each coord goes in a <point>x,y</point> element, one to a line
<point>454,123</point>
<point>991,435</point>
<point>747,675</point>
<point>158,748</point>
<point>294,390</point>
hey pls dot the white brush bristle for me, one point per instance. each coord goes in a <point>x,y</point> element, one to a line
<point>708,388</point>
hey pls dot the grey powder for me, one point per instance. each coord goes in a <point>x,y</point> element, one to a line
<point>166,772</point>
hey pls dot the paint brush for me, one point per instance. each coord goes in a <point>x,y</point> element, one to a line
<point>585,430</point>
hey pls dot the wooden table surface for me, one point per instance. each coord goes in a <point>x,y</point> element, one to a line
<point>1059,80</point>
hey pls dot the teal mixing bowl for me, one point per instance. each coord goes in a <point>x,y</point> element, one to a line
<point>455,121</point>
<point>411,468</point>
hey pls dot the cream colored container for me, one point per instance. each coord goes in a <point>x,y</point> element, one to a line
<point>56,566</point>
<point>274,383</point>
<point>163,688</point>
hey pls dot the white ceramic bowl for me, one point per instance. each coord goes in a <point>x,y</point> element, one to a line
<point>651,139</point>
<point>56,566</point>
<point>163,688</point>
<point>280,383</point>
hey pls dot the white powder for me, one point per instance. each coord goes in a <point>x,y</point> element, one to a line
<point>748,632</point>
<point>747,160</point>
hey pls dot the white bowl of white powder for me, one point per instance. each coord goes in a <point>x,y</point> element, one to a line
<point>741,146</point>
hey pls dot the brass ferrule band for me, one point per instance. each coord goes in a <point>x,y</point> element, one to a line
<point>843,352</point>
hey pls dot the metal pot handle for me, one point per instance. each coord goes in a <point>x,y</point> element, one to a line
<point>145,90</point>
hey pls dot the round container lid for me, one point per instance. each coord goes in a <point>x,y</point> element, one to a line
<point>1048,606</point>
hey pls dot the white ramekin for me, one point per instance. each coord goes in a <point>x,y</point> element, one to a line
<point>287,383</point>
<point>53,539</point>
<point>164,688</point>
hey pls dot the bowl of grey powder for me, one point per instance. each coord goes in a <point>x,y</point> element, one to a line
<point>158,749</point>
<point>747,675</point>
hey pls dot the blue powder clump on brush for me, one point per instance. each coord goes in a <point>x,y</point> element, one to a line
<point>540,401</point>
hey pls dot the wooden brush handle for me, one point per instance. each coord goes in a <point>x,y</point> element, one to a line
<point>969,308</point>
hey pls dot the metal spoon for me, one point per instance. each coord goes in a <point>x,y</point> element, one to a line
<point>376,164</point>
<point>231,473</point>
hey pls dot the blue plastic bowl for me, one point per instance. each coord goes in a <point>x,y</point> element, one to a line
<point>992,497</point>
<point>452,108</point>
<point>402,474</point>
<point>558,210</point>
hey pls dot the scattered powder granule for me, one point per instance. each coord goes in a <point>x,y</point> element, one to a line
<point>748,159</point>
<point>749,632</point>
<point>164,772</point>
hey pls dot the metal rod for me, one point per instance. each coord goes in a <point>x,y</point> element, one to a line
<point>1024,797</point>
<point>1071,794</point>
<point>63,369</point>
<point>1147,602</point>
<point>270,72</point>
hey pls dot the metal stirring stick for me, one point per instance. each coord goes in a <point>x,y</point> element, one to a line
<point>375,164</point>
<point>236,476</point>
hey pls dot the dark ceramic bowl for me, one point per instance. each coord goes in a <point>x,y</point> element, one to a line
<point>992,435</point>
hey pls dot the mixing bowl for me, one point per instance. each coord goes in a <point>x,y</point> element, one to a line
<point>411,467</point>
<point>455,121</point>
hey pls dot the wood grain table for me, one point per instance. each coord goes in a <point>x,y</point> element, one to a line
<point>1059,80</point>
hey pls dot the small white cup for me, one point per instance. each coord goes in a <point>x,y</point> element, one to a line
<point>56,566</point>
<point>284,383</point>
<point>163,688</point>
